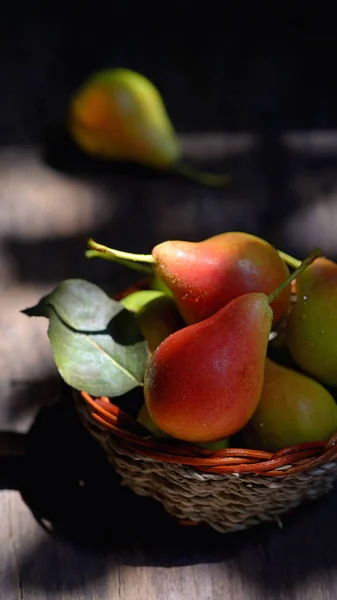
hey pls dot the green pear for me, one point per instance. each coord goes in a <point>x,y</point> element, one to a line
<point>157,315</point>
<point>137,301</point>
<point>118,114</point>
<point>293,409</point>
<point>159,285</point>
<point>311,334</point>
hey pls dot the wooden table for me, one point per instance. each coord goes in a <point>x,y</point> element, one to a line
<point>68,530</point>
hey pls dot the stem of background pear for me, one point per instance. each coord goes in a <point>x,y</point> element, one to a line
<point>127,263</point>
<point>303,265</point>
<point>290,260</point>
<point>207,179</point>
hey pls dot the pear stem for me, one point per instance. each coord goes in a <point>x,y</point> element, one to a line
<point>128,263</point>
<point>290,260</point>
<point>303,265</point>
<point>207,179</point>
<point>128,259</point>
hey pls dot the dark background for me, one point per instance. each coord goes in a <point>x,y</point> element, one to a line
<point>265,72</point>
<point>264,68</point>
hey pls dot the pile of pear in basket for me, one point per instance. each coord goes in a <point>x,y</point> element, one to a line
<point>235,361</point>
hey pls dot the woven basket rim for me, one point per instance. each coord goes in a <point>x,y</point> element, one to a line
<point>283,463</point>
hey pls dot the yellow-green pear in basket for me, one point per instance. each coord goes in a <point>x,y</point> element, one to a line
<point>157,315</point>
<point>158,284</point>
<point>311,332</point>
<point>136,301</point>
<point>293,409</point>
<point>119,114</point>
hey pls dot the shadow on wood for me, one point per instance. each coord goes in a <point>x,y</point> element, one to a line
<point>74,493</point>
<point>126,206</point>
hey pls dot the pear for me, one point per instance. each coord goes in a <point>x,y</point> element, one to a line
<point>119,114</point>
<point>205,276</point>
<point>156,314</point>
<point>137,301</point>
<point>203,382</point>
<point>312,325</point>
<point>293,409</point>
<point>158,285</point>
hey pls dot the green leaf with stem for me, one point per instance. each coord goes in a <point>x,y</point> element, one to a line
<point>97,344</point>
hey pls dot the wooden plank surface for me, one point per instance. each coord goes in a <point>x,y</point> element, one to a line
<point>68,530</point>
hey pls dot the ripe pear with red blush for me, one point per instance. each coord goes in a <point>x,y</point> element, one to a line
<point>204,382</point>
<point>205,276</point>
<point>312,324</point>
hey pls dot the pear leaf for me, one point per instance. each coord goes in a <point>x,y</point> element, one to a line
<point>97,344</point>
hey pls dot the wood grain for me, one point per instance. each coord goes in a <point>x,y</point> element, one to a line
<point>68,530</point>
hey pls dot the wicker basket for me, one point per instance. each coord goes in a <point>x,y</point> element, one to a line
<point>229,489</point>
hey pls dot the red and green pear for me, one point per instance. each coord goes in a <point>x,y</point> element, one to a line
<point>293,409</point>
<point>311,333</point>
<point>205,276</point>
<point>119,114</point>
<point>203,382</point>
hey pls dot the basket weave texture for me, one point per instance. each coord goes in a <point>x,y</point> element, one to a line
<point>230,490</point>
